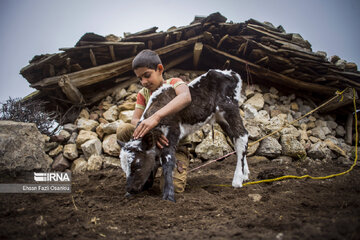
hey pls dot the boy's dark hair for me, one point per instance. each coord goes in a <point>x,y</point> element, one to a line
<point>146,58</point>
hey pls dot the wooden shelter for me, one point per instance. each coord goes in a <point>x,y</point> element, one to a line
<point>97,65</point>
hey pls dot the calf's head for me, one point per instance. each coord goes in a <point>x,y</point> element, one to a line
<point>139,162</point>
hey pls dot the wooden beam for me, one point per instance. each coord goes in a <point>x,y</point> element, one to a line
<point>226,65</point>
<point>134,51</point>
<point>264,73</point>
<point>178,36</point>
<point>107,92</point>
<point>198,47</point>
<point>112,53</point>
<point>149,44</point>
<point>178,60</point>
<point>68,65</point>
<point>222,40</point>
<point>92,58</point>
<point>103,44</point>
<point>143,32</point>
<point>349,127</point>
<point>340,102</point>
<point>71,92</point>
<point>100,73</point>
<point>167,39</point>
<point>51,70</point>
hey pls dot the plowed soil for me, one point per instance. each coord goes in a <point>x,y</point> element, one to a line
<point>289,209</point>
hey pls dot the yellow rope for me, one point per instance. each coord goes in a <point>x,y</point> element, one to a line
<point>308,176</point>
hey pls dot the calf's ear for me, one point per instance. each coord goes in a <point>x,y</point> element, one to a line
<point>122,144</point>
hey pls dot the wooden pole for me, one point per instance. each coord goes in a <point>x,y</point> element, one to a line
<point>349,127</point>
<point>266,74</point>
<point>112,53</point>
<point>198,47</point>
<point>92,58</point>
<point>100,73</point>
<point>71,92</point>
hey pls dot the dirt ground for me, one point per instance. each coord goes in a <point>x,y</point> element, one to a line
<point>290,209</point>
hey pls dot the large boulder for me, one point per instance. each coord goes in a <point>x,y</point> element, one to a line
<point>79,166</point>
<point>86,124</point>
<point>126,116</point>
<point>257,101</point>
<point>270,148</point>
<point>22,148</point>
<point>84,136</point>
<point>111,114</point>
<point>110,146</point>
<point>95,163</point>
<point>292,147</point>
<point>70,151</point>
<point>91,147</point>
<point>211,148</point>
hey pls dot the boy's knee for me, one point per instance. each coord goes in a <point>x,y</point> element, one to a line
<point>125,131</point>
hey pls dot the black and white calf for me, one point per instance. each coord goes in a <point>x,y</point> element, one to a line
<point>215,97</point>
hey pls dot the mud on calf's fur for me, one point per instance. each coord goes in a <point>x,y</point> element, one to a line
<point>215,97</point>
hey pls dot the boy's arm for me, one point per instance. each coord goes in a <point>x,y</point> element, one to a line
<point>182,100</point>
<point>136,116</point>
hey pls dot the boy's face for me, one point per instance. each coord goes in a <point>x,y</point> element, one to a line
<point>150,78</point>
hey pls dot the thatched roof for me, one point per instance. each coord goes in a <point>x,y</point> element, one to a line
<point>260,52</point>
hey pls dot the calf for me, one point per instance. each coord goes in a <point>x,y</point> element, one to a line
<point>215,97</point>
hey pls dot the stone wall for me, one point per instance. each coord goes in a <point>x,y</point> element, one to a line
<point>90,142</point>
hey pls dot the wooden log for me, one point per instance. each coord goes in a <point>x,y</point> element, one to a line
<point>349,127</point>
<point>178,60</point>
<point>71,92</point>
<point>167,39</point>
<point>287,71</point>
<point>51,70</point>
<point>100,73</point>
<point>103,44</point>
<point>107,92</point>
<point>76,67</point>
<point>222,40</point>
<point>264,73</point>
<point>340,102</point>
<point>112,53</point>
<point>134,51</point>
<point>226,65</point>
<point>273,31</point>
<point>92,58</point>
<point>188,27</point>
<point>143,32</point>
<point>263,60</point>
<point>241,48</point>
<point>178,36</point>
<point>149,44</point>
<point>257,23</point>
<point>144,38</point>
<point>198,47</point>
<point>261,32</point>
<point>68,65</point>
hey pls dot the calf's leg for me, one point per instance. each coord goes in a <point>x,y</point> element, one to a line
<point>168,164</point>
<point>230,121</point>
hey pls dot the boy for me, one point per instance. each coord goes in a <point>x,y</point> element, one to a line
<point>149,69</point>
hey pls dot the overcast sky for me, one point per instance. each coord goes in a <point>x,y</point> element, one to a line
<point>34,27</point>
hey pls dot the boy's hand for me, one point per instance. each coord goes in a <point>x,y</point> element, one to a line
<point>145,126</point>
<point>162,141</point>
